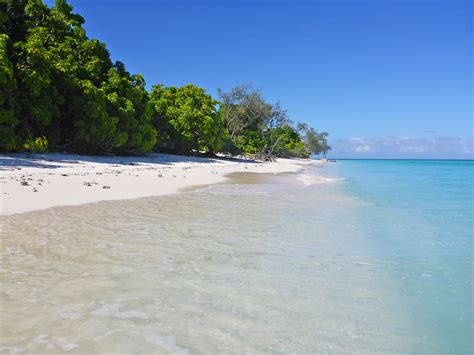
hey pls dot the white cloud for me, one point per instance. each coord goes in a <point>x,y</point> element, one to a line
<point>413,149</point>
<point>356,140</point>
<point>362,149</point>
<point>404,147</point>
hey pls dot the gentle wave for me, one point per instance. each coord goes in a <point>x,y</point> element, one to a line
<point>311,179</point>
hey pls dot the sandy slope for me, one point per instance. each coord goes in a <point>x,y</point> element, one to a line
<point>31,182</point>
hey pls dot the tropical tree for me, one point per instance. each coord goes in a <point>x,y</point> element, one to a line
<point>59,84</point>
<point>249,118</point>
<point>285,141</point>
<point>186,119</point>
<point>314,142</point>
<point>8,119</point>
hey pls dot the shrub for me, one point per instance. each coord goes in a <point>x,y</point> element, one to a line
<point>37,145</point>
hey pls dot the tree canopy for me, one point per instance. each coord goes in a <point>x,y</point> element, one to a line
<point>258,127</point>
<point>60,90</point>
<point>187,119</point>
<point>59,84</point>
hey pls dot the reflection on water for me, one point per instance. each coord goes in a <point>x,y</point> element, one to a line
<point>267,267</point>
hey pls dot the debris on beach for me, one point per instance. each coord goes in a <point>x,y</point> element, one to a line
<point>106,187</point>
<point>24,183</point>
<point>87,183</point>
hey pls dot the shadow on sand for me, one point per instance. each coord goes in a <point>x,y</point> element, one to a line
<point>51,160</point>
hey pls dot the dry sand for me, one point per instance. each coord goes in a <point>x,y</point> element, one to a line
<point>31,182</point>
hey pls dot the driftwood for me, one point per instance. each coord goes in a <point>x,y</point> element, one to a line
<point>264,156</point>
<point>267,153</point>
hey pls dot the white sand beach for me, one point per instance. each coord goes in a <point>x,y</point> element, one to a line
<point>30,182</point>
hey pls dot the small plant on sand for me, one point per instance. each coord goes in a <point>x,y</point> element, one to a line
<point>37,145</point>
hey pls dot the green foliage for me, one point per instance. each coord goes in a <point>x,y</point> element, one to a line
<point>127,103</point>
<point>314,142</point>
<point>58,83</point>
<point>259,128</point>
<point>187,119</point>
<point>8,120</point>
<point>250,142</point>
<point>37,145</point>
<point>244,110</point>
<point>286,142</point>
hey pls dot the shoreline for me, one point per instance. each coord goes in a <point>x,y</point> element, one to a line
<point>31,182</point>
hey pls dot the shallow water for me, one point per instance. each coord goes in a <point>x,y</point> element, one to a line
<point>339,258</point>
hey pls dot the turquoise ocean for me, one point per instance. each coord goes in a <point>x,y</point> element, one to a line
<point>418,218</point>
<point>355,256</point>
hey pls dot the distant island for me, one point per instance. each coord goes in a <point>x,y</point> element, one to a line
<point>60,91</point>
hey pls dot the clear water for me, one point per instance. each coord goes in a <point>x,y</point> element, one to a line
<point>355,256</point>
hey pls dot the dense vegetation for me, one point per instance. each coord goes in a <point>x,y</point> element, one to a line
<point>60,90</point>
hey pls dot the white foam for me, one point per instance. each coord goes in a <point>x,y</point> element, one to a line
<point>69,346</point>
<point>167,342</point>
<point>13,349</point>
<point>113,310</point>
<point>69,315</point>
<point>310,179</point>
<point>106,334</point>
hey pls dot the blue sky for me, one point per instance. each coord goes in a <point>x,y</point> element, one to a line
<point>386,78</point>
